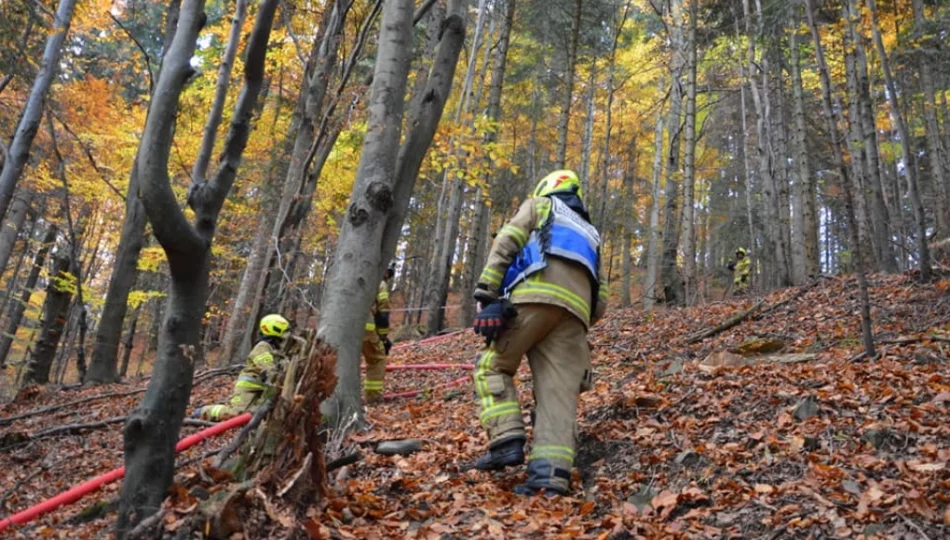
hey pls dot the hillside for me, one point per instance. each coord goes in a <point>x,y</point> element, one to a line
<point>672,442</point>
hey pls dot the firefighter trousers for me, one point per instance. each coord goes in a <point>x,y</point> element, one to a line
<point>375,355</point>
<point>242,400</point>
<point>555,342</point>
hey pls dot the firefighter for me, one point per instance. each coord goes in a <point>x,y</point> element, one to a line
<point>538,295</point>
<point>260,372</point>
<point>741,269</point>
<point>376,343</point>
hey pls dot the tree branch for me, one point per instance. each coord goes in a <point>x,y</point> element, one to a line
<point>148,59</point>
<point>88,152</point>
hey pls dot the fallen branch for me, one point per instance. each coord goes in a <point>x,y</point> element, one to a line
<point>19,483</point>
<point>232,447</point>
<point>348,459</point>
<point>74,428</point>
<point>798,294</point>
<point>732,321</point>
<point>199,378</point>
<point>144,528</point>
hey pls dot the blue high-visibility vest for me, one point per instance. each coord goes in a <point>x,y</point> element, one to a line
<point>564,234</point>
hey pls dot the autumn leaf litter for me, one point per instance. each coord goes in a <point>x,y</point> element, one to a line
<point>836,446</point>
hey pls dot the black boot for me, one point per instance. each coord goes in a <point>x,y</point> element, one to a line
<point>543,475</point>
<point>507,453</point>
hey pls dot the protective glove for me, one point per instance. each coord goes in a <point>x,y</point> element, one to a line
<point>494,319</point>
<point>731,266</point>
<point>388,345</point>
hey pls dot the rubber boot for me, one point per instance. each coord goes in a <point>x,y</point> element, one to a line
<point>506,453</point>
<point>373,397</point>
<point>543,475</point>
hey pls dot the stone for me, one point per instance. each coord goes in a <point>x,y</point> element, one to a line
<point>687,458</point>
<point>806,408</point>
<point>402,447</point>
<point>675,367</point>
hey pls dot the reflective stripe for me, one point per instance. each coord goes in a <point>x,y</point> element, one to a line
<point>250,385</point>
<point>382,296</point>
<point>553,452</point>
<point>502,409</point>
<point>371,326</point>
<point>534,286</point>
<point>491,276</point>
<point>215,411</point>
<point>481,383</point>
<point>263,358</point>
<point>382,331</point>
<point>519,235</point>
<point>372,385</point>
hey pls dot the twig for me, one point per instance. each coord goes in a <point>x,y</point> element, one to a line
<point>19,483</point>
<point>146,525</point>
<point>259,415</point>
<point>73,428</point>
<point>733,321</point>
<point>88,152</point>
<point>148,59</point>
<point>915,526</point>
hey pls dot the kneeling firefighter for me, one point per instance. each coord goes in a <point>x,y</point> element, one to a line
<point>538,295</point>
<point>260,372</point>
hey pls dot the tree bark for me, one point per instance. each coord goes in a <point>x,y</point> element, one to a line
<point>359,262</point>
<point>102,367</point>
<point>19,149</point>
<point>129,343</point>
<point>11,229</point>
<point>831,117</point>
<point>58,297</point>
<point>805,222</point>
<point>910,168</point>
<point>18,307</point>
<point>653,255</point>
<point>629,221</point>
<point>689,160</point>
<point>200,168</point>
<point>568,95</point>
<point>153,427</point>
<point>672,282</point>
<point>934,154</point>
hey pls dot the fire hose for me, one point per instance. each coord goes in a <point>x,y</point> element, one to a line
<point>74,494</point>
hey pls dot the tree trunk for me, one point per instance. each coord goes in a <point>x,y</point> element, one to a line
<point>629,221</point>
<point>855,147</point>
<point>359,260</point>
<point>564,118</point>
<point>587,142</point>
<point>934,154</point>
<point>129,343</point>
<point>18,307</point>
<point>910,168</point>
<point>152,429</point>
<point>200,168</point>
<point>19,149</point>
<point>805,222</point>
<point>689,161</point>
<point>653,255</point>
<point>24,253</point>
<point>102,367</point>
<point>58,296</point>
<point>672,283</point>
<point>831,118</point>
<point>11,229</point>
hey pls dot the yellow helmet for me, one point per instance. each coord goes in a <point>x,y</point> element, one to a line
<point>562,181</point>
<point>274,325</point>
<point>742,251</point>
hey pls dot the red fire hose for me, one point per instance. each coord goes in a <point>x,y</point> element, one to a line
<point>78,492</point>
<point>428,367</point>
<point>414,393</point>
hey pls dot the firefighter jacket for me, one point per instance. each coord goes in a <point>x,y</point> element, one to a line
<point>548,254</point>
<point>261,368</point>
<point>379,313</point>
<point>743,269</point>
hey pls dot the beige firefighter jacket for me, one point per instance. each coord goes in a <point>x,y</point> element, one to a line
<point>261,367</point>
<point>380,305</point>
<point>562,283</point>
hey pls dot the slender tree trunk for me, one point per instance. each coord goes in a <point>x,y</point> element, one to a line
<point>152,429</point>
<point>102,367</point>
<point>58,297</point>
<point>855,146</point>
<point>689,160</point>
<point>200,168</point>
<point>359,259</point>
<point>568,95</point>
<point>653,255</point>
<point>19,149</point>
<point>129,342</point>
<point>11,229</point>
<point>910,168</point>
<point>934,154</point>
<point>629,221</point>
<point>587,142</point>
<point>17,308</point>
<point>672,282</point>
<point>805,242</point>
<point>838,155</point>
<point>15,276</point>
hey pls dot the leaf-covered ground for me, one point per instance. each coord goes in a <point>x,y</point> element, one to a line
<point>835,446</point>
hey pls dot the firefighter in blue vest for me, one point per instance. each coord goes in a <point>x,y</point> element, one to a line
<point>259,373</point>
<point>538,295</point>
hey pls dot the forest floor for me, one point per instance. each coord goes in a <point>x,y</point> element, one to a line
<point>675,439</point>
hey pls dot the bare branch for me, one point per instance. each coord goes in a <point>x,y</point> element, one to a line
<point>148,59</point>
<point>88,152</point>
